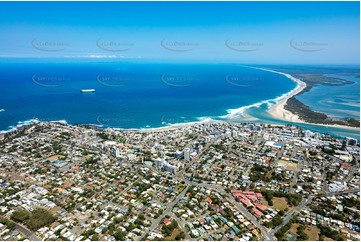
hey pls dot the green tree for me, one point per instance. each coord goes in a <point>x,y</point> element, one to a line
<point>277,220</point>
<point>180,236</point>
<point>38,218</point>
<point>301,233</point>
<point>20,216</point>
<point>95,237</point>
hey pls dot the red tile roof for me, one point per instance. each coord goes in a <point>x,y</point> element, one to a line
<point>257,212</point>
<point>166,221</point>
<point>260,206</point>
<point>246,202</point>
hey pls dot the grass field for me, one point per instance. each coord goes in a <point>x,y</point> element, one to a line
<point>264,202</point>
<point>179,188</point>
<point>293,228</point>
<point>327,239</point>
<point>54,157</point>
<point>173,235</point>
<point>290,165</point>
<point>312,233</point>
<point>279,203</point>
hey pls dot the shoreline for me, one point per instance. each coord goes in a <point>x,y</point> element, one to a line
<point>166,128</point>
<point>278,110</point>
<point>21,124</point>
<point>177,125</point>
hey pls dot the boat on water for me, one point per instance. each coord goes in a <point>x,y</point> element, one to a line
<point>87,90</point>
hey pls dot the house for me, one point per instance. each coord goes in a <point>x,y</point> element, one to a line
<point>257,212</point>
<point>235,229</point>
<point>246,202</point>
<point>167,221</point>
<point>255,232</point>
<point>230,234</point>
<point>260,207</point>
<point>201,230</point>
<point>195,232</point>
<point>207,227</point>
<point>223,219</point>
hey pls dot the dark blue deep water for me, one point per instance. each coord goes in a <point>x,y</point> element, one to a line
<point>133,95</point>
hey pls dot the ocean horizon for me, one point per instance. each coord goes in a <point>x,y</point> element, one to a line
<point>148,96</point>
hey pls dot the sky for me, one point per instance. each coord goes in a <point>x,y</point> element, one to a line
<point>232,32</point>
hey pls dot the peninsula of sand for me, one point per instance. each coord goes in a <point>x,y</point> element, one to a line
<point>278,110</point>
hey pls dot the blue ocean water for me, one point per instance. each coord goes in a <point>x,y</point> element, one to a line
<point>338,102</point>
<point>133,95</point>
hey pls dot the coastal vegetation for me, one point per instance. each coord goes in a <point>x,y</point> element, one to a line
<point>310,116</point>
<point>314,77</point>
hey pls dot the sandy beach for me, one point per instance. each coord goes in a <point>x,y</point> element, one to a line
<point>278,111</point>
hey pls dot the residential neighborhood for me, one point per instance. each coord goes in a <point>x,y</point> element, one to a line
<point>204,181</point>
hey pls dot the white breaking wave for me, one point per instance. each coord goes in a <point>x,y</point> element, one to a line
<point>232,113</point>
<point>177,125</point>
<point>205,120</point>
<point>19,125</point>
<point>2,110</point>
<point>28,122</point>
<point>59,121</point>
<point>201,120</point>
